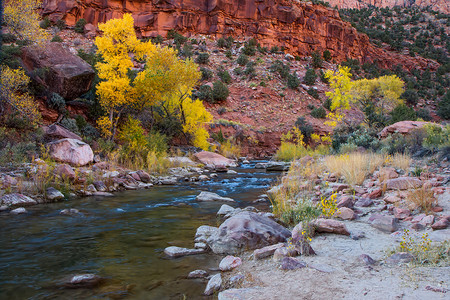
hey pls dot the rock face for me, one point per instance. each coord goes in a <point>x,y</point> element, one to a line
<point>71,151</point>
<point>66,73</point>
<point>246,231</point>
<point>214,160</point>
<point>440,5</point>
<point>298,26</point>
<point>403,127</point>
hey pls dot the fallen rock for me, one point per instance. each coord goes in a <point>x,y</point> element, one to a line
<point>225,209</point>
<point>364,202</point>
<point>291,263</point>
<point>387,173</point>
<point>214,159</point>
<point>83,281</point>
<point>281,253</point>
<point>18,211</point>
<point>385,223</point>
<point>427,221</point>
<point>401,213</point>
<point>66,73</point>
<point>229,263</point>
<point>100,186</point>
<point>391,199</point>
<point>246,231</point>
<point>277,166</point>
<point>403,183</point>
<point>204,232</point>
<point>197,274</point>
<point>399,258</point>
<point>174,251</point>
<point>345,213</point>
<point>208,196</point>
<point>74,152</point>
<point>56,132</point>
<point>441,224</point>
<point>214,285</point>
<point>345,201</point>
<point>65,172</point>
<point>16,199</point>
<point>330,226</point>
<point>144,176</point>
<point>53,194</point>
<point>266,251</point>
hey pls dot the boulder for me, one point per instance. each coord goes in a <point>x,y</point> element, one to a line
<point>214,160</point>
<point>229,263</point>
<point>56,132</point>
<point>18,211</point>
<point>208,197</point>
<point>74,152</point>
<point>364,202</point>
<point>401,213</point>
<point>182,160</point>
<point>266,251</point>
<point>441,224</point>
<point>174,251</point>
<point>291,263</point>
<point>53,194</point>
<point>246,231</point>
<point>403,183</point>
<point>330,226</point>
<point>427,221</point>
<point>65,73</point>
<point>16,199</point>
<point>83,281</point>
<point>70,212</point>
<point>214,285</point>
<point>403,127</point>
<point>225,209</point>
<point>277,166</point>
<point>387,173</point>
<point>204,232</point>
<point>384,223</point>
<point>65,172</point>
<point>197,274</point>
<point>144,176</point>
<point>345,201</point>
<point>345,213</point>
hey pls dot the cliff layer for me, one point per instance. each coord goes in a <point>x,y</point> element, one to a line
<point>300,27</point>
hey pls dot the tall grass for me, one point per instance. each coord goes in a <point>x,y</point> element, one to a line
<point>401,161</point>
<point>354,167</point>
<point>422,199</point>
<point>291,151</point>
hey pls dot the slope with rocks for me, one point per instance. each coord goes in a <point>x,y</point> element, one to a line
<point>439,5</point>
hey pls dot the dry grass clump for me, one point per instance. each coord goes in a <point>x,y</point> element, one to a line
<point>401,161</point>
<point>422,199</point>
<point>230,150</point>
<point>354,167</point>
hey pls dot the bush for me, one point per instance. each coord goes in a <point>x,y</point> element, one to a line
<point>250,48</point>
<point>292,81</point>
<point>205,93</point>
<point>322,76</point>
<point>56,39</point>
<point>274,50</point>
<point>443,107</point>
<point>57,102</point>
<point>242,60</point>
<point>316,60</point>
<point>424,114</point>
<point>250,70</point>
<point>280,68</point>
<point>402,113</point>
<point>410,96</point>
<point>238,71</point>
<point>79,25</point>
<point>157,39</point>
<point>45,23</point>
<point>326,55</point>
<point>70,124</point>
<point>207,74</point>
<point>202,58</point>
<point>319,113</point>
<point>220,91</point>
<point>61,24</point>
<point>224,75</point>
<point>306,128</point>
<point>313,93</point>
<point>228,54</point>
<point>327,104</point>
<point>225,43</point>
<point>187,50</point>
<point>437,137</point>
<point>310,77</point>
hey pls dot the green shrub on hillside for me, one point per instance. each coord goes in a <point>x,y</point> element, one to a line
<point>310,77</point>
<point>220,91</point>
<point>402,113</point>
<point>79,25</point>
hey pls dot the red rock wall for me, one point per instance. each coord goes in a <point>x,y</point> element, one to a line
<point>439,5</point>
<point>301,28</point>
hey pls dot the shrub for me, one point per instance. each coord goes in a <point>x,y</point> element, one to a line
<point>410,96</point>
<point>61,24</point>
<point>305,127</point>
<point>327,104</point>
<point>250,48</point>
<point>402,113</point>
<point>157,39</point>
<point>310,77</point>
<point>79,25</point>
<point>326,55</point>
<point>238,71</point>
<point>274,50</point>
<point>437,137</point>
<point>221,43</point>
<point>313,93</point>
<point>56,39</point>
<point>280,68</point>
<point>228,54</point>
<point>242,60</point>
<point>187,50</point>
<point>422,199</point>
<point>319,113</point>
<point>424,114</point>
<point>207,74</point>
<point>229,149</point>
<point>224,75</point>
<point>205,93</point>
<point>202,58</point>
<point>316,60</point>
<point>250,70</point>
<point>70,124</point>
<point>292,81</point>
<point>322,76</point>
<point>220,91</point>
<point>57,102</point>
<point>443,107</point>
<point>45,23</point>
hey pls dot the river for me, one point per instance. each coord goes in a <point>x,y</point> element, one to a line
<point>121,238</point>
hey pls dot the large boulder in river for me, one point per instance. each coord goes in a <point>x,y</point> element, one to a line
<point>214,160</point>
<point>209,197</point>
<point>246,231</point>
<point>58,69</point>
<point>71,151</point>
<point>403,127</point>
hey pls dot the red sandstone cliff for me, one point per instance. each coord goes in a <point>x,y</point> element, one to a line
<point>300,27</point>
<point>439,5</point>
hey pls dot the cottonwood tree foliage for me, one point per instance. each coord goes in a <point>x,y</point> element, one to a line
<point>163,87</point>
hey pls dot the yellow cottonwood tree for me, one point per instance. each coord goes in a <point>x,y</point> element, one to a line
<point>115,91</point>
<point>341,84</point>
<point>167,83</point>
<point>22,19</point>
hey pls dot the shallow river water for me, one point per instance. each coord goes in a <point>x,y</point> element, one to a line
<point>121,238</point>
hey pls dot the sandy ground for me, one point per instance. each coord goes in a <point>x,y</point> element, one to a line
<point>343,274</point>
